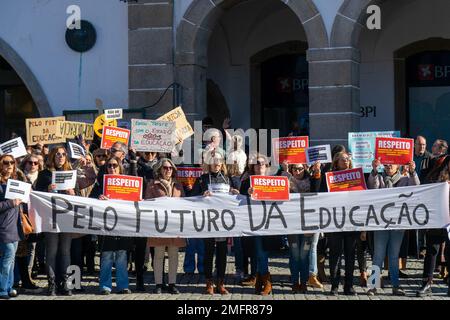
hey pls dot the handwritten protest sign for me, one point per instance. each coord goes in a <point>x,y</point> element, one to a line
<point>184,129</point>
<point>43,130</point>
<point>291,149</point>
<point>153,135</point>
<point>319,153</point>
<point>362,147</point>
<point>64,180</point>
<point>187,175</point>
<point>268,188</point>
<point>111,135</point>
<point>394,150</point>
<point>14,147</point>
<point>71,129</point>
<point>76,151</point>
<point>18,190</point>
<point>112,114</point>
<point>346,180</point>
<point>122,187</point>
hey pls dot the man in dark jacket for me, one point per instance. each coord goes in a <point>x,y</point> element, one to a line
<point>421,155</point>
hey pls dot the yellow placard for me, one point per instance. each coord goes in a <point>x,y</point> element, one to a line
<point>184,129</point>
<point>100,122</point>
<point>43,130</point>
<point>71,129</point>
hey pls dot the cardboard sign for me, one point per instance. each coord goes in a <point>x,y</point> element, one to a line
<point>291,149</point>
<point>76,151</point>
<point>18,190</point>
<point>100,122</point>
<point>346,180</point>
<point>71,129</point>
<point>394,150</point>
<point>319,153</point>
<point>43,130</point>
<point>111,135</point>
<point>268,188</point>
<point>14,147</point>
<point>112,114</point>
<point>153,135</point>
<point>362,147</point>
<point>121,187</point>
<point>184,129</point>
<point>64,180</point>
<point>188,175</point>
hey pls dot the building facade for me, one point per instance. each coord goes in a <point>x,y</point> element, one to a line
<point>264,63</point>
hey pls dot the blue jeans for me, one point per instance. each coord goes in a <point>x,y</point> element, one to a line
<point>262,257</point>
<point>7,257</point>
<point>119,258</point>
<point>194,246</point>
<point>388,241</point>
<point>299,248</point>
<point>238,254</point>
<point>313,254</point>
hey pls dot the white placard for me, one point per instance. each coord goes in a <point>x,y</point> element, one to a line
<point>112,114</point>
<point>14,147</point>
<point>219,188</point>
<point>16,189</point>
<point>319,153</point>
<point>153,135</point>
<point>64,180</point>
<point>76,151</point>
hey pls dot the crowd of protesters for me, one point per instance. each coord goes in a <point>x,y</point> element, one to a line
<point>22,257</point>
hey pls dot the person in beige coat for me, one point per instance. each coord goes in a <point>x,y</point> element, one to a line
<point>165,185</point>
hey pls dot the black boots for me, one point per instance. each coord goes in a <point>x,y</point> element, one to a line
<point>425,290</point>
<point>140,287</point>
<point>51,287</point>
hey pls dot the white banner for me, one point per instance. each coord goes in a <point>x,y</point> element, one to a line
<point>221,215</point>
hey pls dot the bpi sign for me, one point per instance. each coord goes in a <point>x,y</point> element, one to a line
<point>289,85</point>
<point>429,72</point>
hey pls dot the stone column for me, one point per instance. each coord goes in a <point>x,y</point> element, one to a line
<point>151,47</point>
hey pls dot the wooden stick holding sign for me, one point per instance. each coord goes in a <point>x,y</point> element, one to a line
<point>14,147</point>
<point>64,180</point>
<point>18,190</point>
<point>268,188</point>
<point>394,150</point>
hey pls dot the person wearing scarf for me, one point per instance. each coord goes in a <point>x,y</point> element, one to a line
<point>389,241</point>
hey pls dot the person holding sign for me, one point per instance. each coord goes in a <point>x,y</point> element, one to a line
<point>165,185</point>
<point>215,180</point>
<point>10,228</point>
<point>57,244</point>
<point>389,241</point>
<point>113,248</point>
<point>259,165</point>
<point>342,242</point>
<point>303,247</point>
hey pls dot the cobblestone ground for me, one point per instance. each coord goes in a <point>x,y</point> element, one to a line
<point>192,286</point>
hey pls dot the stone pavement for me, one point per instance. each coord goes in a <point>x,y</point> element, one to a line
<point>192,286</point>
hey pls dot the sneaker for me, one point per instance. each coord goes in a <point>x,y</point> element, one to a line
<point>173,289</point>
<point>13,293</point>
<point>397,291</point>
<point>124,291</point>
<point>158,289</point>
<point>105,292</point>
<point>314,282</point>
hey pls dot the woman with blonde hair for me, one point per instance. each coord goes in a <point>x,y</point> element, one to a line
<point>165,184</point>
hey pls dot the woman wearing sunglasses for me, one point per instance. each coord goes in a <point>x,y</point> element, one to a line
<point>10,228</point>
<point>389,241</point>
<point>215,179</point>
<point>57,245</point>
<point>165,185</point>
<point>303,247</point>
<point>113,249</point>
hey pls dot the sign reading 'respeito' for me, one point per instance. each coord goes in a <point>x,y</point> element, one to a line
<point>291,149</point>
<point>346,180</point>
<point>270,188</point>
<point>187,175</point>
<point>122,187</point>
<point>394,150</point>
<point>111,135</point>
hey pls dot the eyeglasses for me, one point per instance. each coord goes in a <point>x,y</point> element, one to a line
<point>8,163</point>
<point>112,165</point>
<point>59,154</point>
<point>33,163</point>
<point>344,159</point>
<point>168,168</point>
<point>298,169</point>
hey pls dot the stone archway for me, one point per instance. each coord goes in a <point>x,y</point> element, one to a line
<point>192,39</point>
<point>28,78</point>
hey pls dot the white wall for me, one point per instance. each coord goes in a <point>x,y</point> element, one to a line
<point>403,22</point>
<point>36,30</point>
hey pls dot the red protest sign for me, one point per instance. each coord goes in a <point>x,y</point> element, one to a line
<point>110,135</point>
<point>346,180</point>
<point>291,149</point>
<point>394,150</point>
<point>270,188</point>
<point>121,187</point>
<point>187,175</point>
